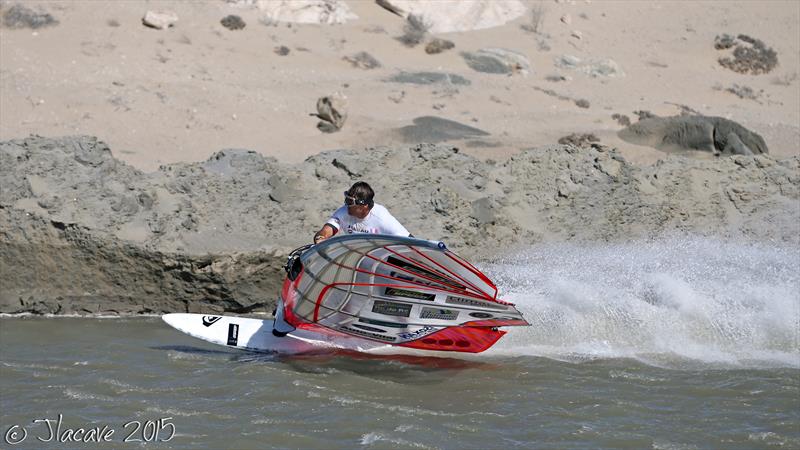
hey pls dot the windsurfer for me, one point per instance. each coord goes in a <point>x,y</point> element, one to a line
<point>359,214</point>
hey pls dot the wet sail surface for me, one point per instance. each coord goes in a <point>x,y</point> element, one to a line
<point>399,291</point>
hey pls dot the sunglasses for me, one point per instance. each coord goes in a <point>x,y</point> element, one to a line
<point>352,201</point>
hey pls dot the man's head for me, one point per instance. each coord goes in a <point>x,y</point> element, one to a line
<point>359,199</point>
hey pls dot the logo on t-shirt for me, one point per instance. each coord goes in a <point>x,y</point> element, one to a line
<point>360,227</point>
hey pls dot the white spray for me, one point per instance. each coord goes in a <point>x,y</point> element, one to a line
<point>665,301</point>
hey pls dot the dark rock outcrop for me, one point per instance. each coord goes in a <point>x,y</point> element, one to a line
<point>690,132</point>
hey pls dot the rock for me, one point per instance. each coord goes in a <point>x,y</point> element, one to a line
<point>429,78</point>
<point>436,129</point>
<point>233,22</point>
<point>326,127</point>
<point>438,46</point>
<point>20,16</point>
<point>566,18</point>
<point>712,134</point>
<point>323,12</point>
<point>732,144</point>
<point>363,60</point>
<point>332,109</point>
<point>593,67</point>
<point>458,16</point>
<point>160,20</point>
<point>577,34</point>
<point>281,50</point>
<point>498,61</point>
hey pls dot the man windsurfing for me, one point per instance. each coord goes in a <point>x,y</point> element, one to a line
<point>359,214</point>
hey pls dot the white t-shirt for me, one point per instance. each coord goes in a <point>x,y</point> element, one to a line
<point>378,221</point>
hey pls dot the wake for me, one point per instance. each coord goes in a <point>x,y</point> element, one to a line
<point>664,302</point>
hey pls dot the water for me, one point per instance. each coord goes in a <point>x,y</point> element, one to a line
<point>673,344</point>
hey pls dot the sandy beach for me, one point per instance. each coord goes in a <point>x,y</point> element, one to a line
<point>180,94</point>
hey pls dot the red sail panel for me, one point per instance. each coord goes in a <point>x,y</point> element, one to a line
<point>458,339</point>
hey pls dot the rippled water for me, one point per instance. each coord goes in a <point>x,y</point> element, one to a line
<point>679,343</point>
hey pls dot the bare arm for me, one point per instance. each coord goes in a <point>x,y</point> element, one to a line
<point>325,232</point>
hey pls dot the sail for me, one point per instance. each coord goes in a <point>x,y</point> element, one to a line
<point>400,291</point>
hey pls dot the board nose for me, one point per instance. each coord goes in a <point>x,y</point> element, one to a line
<point>170,319</point>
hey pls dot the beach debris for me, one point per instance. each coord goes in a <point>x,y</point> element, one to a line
<point>437,45</point>
<point>579,139</point>
<point>557,78</point>
<point>397,97</point>
<point>437,129</point>
<point>363,60</point>
<point>281,50</point>
<point>602,67</point>
<point>566,19</point>
<point>577,34</point>
<point>233,22</point>
<point>582,103</point>
<point>20,16</point>
<point>457,16</point>
<point>414,31</point>
<point>750,55</point>
<point>743,92</point>
<point>579,102</point>
<point>159,20</point>
<point>332,110</point>
<point>497,61</point>
<point>621,119</point>
<point>707,133</point>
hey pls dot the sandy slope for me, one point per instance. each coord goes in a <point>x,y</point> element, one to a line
<point>183,93</point>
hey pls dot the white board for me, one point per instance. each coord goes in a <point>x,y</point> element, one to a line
<point>256,335</point>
